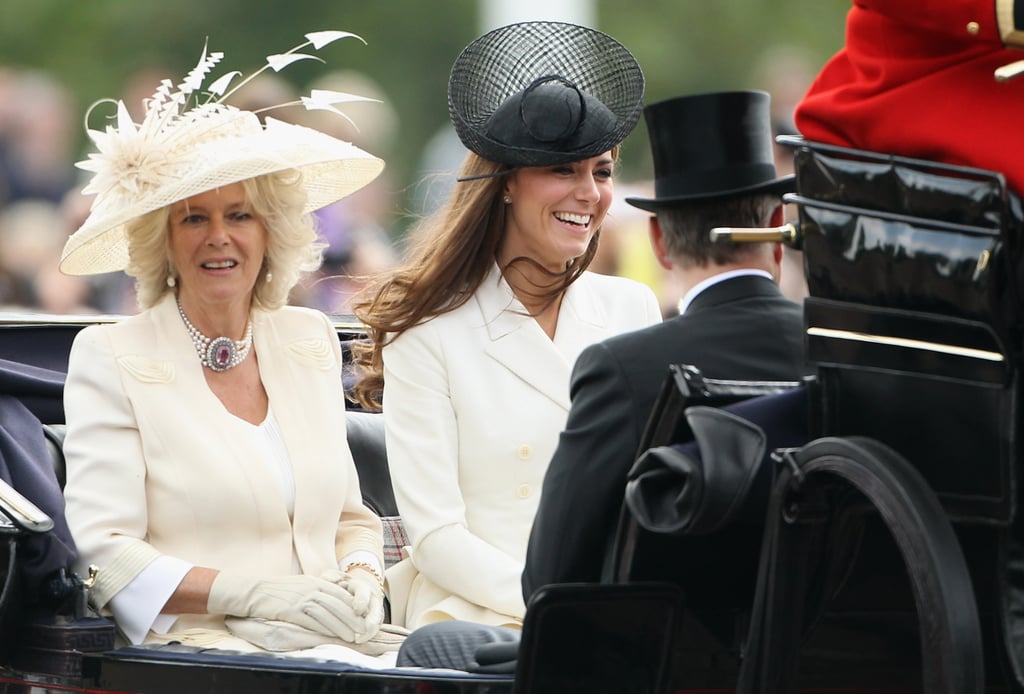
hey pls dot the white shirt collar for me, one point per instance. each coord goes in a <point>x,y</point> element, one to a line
<point>696,289</point>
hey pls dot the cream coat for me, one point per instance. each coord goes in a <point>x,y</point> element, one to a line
<point>474,401</point>
<point>154,470</point>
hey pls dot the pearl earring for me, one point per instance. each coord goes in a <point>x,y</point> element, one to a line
<point>171,281</point>
<point>508,200</point>
<point>270,277</point>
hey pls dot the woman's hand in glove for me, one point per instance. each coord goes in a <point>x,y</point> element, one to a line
<point>367,598</point>
<point>313,603</point>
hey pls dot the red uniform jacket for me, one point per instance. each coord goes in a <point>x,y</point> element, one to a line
<point>916,78</point>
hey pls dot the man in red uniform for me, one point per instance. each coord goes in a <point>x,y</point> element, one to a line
<point>917,78</point>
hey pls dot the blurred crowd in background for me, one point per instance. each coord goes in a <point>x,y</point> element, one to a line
<point>40,202</point>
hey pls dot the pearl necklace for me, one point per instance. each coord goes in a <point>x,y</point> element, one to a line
<point>219,353</point>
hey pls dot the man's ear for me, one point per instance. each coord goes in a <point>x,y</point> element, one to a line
<point>778,219</point>
<point>658,243</point>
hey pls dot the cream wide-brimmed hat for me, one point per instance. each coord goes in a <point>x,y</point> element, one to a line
<point>184,147</point>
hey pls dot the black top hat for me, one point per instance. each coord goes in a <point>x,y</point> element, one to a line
<point>711,145</point>
<point>542,93</point>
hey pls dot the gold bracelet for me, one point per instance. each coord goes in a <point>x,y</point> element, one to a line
<point>367,567</point>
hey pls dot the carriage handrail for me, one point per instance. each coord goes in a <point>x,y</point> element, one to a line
<point>797,141</point>
<point>22,512</point>
<point>787,234</point>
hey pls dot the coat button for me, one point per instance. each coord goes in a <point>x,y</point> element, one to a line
<point>524,452</point>
<point>973,28</point>
<point>523,491</point>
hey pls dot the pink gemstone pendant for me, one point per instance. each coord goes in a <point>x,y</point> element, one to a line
<point>220,354</point>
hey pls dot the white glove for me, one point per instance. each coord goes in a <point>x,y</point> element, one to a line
<point>367,599</point>
<point>310,602</point>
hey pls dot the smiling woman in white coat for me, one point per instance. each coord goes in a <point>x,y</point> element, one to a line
<point>474,337</point>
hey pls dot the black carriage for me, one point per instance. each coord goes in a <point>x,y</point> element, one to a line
<point>884,511</point>
<point>858,531</point>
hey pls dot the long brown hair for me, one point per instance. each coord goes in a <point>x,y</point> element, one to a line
<point>450,255</point>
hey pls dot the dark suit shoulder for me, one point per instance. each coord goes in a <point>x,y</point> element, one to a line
<point>627,342</point>
<point>744,329</point>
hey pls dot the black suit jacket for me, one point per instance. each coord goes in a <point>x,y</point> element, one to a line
<point>741,328</point>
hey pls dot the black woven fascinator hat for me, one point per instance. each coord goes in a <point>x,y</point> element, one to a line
<point>711,145</point>
<point>542,93</point>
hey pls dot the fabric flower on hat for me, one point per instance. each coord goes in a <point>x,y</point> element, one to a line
<point>133,157</point>
<point>127,161</point>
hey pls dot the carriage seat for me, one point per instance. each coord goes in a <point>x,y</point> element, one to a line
<point>365,432</point>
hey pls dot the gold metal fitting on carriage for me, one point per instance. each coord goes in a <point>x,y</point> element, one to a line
<point>787,234</point>
<point>91,580</point>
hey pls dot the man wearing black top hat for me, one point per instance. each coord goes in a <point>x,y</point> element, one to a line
<point>714,166</point>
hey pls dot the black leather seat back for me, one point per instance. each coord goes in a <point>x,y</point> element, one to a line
<point>366,440</point>
<point>54,435</point>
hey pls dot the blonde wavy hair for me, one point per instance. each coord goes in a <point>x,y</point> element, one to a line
<point>293,247</point>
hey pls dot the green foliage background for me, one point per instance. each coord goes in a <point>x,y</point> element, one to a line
<point>683,45</point>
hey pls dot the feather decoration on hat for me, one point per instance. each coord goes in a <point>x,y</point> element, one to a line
<point>131,158</point>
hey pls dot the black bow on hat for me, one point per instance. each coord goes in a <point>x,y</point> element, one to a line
<point>543,93</point>
<point>711,145</point>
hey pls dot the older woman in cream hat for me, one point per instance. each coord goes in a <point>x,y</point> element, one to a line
<point>209,478</point>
